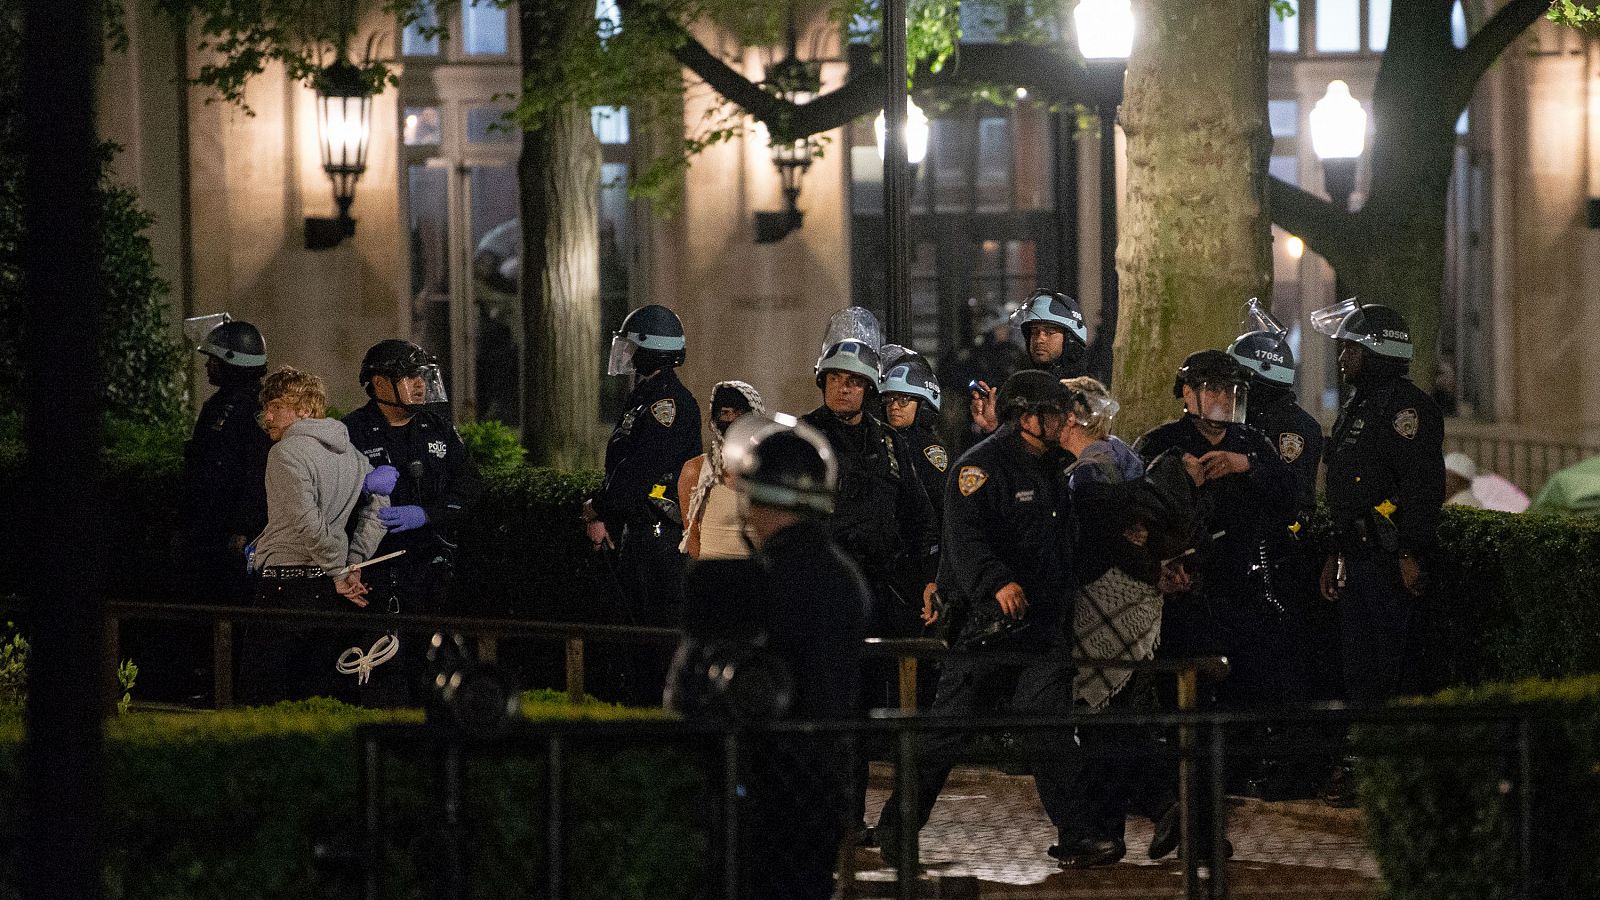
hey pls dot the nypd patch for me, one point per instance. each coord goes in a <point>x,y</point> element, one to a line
<point>665,411</point>
<point>937,456</point>
<point>1290,446</point>
<point>969,479</point>
<point>1405,423</point>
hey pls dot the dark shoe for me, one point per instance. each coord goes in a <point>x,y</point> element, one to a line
<point>1085,853</point>
<point>1164,839</point>
<point>860,836</point>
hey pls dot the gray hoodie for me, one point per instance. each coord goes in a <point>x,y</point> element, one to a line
<point>314,477</point>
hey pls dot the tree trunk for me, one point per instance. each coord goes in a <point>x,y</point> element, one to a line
<point>1195,241</point>
<point>559,179</point>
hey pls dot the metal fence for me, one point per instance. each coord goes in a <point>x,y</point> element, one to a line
<point>1524,457</point>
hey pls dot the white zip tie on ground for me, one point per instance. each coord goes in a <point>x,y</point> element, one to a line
<point>360,664</point>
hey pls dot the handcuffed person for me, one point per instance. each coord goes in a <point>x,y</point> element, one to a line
<point>320,523</point>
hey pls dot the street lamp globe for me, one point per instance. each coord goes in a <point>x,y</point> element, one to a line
<point>1338,124</point>
<point>1105,28</point>
<point>916,133</point>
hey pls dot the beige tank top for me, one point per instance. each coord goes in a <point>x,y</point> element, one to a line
<point>720,536</point>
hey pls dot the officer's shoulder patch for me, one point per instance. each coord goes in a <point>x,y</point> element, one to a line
<point>1290,446</point>
<point>1405,423</point>
<point>970,478</point>
<point>665,411</point>
<point>936,454</point>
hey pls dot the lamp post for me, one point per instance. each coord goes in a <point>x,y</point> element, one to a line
<point>798,82</point>
<point>1105,38</point>
<point>1338,135</point>
<point>896,179</point>
<point>344,125</point>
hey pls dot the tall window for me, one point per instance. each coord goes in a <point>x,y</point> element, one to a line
<point>462,209</point>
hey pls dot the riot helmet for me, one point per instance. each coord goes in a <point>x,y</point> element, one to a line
<point>778,461</point>
<point>1031,391</point>
<point>1221,387</point>
<point>649,339</point>
<point>1378,329</point>
<point>908,372</point>
<point>400,361</point>
<point>851,344</point>
<point>1266,356</point>
<point>237,344</point>
<point>1052,308</point>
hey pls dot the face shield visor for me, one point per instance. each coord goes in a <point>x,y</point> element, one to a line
<point>621,361</point>
<point>422,386</point>
<point>1256,317</point>
<point>1098,408</point>
<point>197,328</point>
<point>1326,321</point>
<point>1221,402</point>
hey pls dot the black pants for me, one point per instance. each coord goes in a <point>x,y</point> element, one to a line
<point>650,569</point>
<point>1375,613</point>
<point>1125,769</point>
<point>971,686</point>
<point>414,584</point>
<point>287,663</point>
<point>793,819</point>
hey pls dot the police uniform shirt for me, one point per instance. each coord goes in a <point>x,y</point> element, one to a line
<point>435,472</point>
<point>1246,505</point>
<point>225,464</point>
<point>881,514</point>
<point>1296,435</point>
<point>1004,521</point>
<point>658,433</point>
<point>1388,445</point>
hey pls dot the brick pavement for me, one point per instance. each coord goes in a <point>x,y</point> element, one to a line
<point>990,827</point>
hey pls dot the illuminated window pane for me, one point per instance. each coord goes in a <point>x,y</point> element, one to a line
<point>994,164</point>
<point>1284,168</point>
<point>1284,33</point>
<point>1284,115</point>
<point>489,125</point>
<point>412,41</point>
<point>1378,25</point>
<point>483,29</point>
<point>1338,26</point>
<point>428,206</point>
<point>610,124</point>
<point>421,126</point>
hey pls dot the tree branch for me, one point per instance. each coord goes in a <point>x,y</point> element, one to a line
<point>1310,218</point>
<point>1491,40</point>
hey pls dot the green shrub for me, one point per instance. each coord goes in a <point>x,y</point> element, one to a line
<point>1446,826</point>
<point>231,804</point>
<point>493,445</point>
<point>14,649</point>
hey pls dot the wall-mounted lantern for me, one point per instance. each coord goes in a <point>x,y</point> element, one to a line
<point>344,128</point>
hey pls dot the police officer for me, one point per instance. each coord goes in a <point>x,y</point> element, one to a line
<point>224,465</point>
<point>911,407</point>
<point>1385,483</point>
<point>420,463</point>
<point>1289,563</point>
<point>810,604</point>
<point>1252,495</point>
<point>636,508</point>
<point>1057,342</point>
<point>1004,566</point>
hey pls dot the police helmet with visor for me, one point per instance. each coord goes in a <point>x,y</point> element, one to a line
<point>908,372</point>
<point>649,339</point>
<point>399,361</point>
<point>1221,387</point>
<point>228,341</point>
<point>1376,328</point>
<point>1052,308</point>
<point>1266,356</point>
<point>1031,391</point>
<point>778,461</point>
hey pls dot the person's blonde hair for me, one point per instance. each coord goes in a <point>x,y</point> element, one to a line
<point>1096,424</point>
<point>301,390</point>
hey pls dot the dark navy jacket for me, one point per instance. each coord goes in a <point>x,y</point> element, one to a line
<point>816,619</point>
<point>931,460</point>
<point>1296,435</point>
<point>1005,520</point>
<point>1388,445</point>
<point>224,469</point>
<point>657,434</point>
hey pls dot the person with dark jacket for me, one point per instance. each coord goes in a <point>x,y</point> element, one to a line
<point>801,603</point>
<point>1385,484</point>
<point>421,465</point>
<point>224,500</point>
<point>1005,571</point>
<point>636,508</point>
<point>1056,340</point>
<point>911,407</point>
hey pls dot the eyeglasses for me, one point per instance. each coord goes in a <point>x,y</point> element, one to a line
<point>898,400</point>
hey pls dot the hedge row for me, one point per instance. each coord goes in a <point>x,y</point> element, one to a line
<point>1448,827</point>
<point>230,805</point>
<point>1511,596</point>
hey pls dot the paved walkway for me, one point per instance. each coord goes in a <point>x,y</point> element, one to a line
<point>990,827</point>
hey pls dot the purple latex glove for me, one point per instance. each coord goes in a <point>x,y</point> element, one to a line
<point>381,481</point>
<point>402,518</point>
